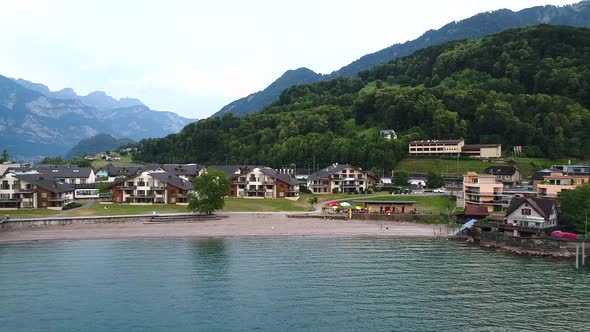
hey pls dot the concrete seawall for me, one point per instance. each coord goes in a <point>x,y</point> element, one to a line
<point>11,224</point>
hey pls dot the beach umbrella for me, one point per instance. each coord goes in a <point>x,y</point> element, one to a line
<point>345,205</point>
<point>332,204</point>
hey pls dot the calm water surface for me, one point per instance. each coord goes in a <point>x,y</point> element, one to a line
<point>279,284</point>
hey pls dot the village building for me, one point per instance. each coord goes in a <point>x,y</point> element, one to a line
<point>388,134</point>
<point>31,191</point>
<point>69,174</point>
<point>151,187</point>
<point>553,184</point>
<point>482,190</point>
<point>249,181</point>
<point>509,176</point>
<point>341,178</point>
<point>482,150</point>
<point>451,147</point>
<point>529,216</point>
<point>185,171</point>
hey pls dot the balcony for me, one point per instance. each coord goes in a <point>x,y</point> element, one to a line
<point>494,202</point>
<point>127,187</point>
<point>142,196</point>
<point>59,199</point>
<point>160,188</point>
<point>24,190</point>
<point>10,200</point>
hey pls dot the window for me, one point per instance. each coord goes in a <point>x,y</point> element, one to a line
<point>43,195</point>
<point>525,212</point>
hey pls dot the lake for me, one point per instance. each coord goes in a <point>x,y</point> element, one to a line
<point>285,283</point>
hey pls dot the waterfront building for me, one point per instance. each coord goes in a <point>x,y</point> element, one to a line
<point>342,178</point>
<point>529,216</point>
<point>249,181</point>
<point>151,187</point>
<point>482,190</point>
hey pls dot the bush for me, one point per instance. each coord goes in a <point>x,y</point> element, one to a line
<point>304,190</point>
<point>335,191</point>
<point>72,205</point>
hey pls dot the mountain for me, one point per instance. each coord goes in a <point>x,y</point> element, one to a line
<point>96,99</point>
<point>34,124</point>
<point>257,100</point>
<point>525,87</point>
<point>476,26</point>
<point>96,144</point>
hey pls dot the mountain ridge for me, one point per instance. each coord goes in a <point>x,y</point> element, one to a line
<point>476,26</point>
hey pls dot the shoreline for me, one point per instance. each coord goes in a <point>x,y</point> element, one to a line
<point>227,225</point>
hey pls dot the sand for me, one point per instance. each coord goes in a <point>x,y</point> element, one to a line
<point>231,224</point>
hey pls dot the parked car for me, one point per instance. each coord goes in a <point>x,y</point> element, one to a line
<point>439,190</point>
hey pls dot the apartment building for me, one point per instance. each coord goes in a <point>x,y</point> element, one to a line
<point>343,178</point>
<point>436,147</point>
<point>482,190</point>
<point>554,183</point>
<point>31,191</point>
<point>69,174</point>
<point>151,187</point>
<point>251,181</point>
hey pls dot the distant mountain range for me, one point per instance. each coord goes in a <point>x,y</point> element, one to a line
<point>477,26</point>
<point>36,122</point>
<point>96,144</point>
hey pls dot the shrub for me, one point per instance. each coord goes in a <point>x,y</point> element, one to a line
<point>72,205</point>
<point>335,191</point>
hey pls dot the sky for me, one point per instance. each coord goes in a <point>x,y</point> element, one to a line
<point>194,57</point>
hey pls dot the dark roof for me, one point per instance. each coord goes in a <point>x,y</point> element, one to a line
<point>325,172</point>
<point>539,175</point>
<point>477,147</point>
<point>437,141</point>
<point>172,180</point>
<point>231,170</point>
<point>58,171</point>
<point>476,210</point>
<point>280,176</point>
<point>109,185</point>
<point>183,169</point>
<point>387,131</point>
<point>44,182</point>
<point>119,171</point>
<point>543,206</point>
<point>501,170</point>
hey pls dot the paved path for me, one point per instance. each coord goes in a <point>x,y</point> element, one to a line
<point>88,204</point>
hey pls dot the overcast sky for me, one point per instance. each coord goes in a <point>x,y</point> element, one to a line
<point>194,57</point>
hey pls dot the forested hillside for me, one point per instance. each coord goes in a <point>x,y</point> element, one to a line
<point>528,86</point>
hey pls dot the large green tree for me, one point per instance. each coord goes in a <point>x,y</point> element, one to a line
<point>210,190</point>
<point>434,180</point>
<point>574,204</point>
<point>401,178</point>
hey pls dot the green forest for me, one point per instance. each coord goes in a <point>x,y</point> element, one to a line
<point>527,86</point>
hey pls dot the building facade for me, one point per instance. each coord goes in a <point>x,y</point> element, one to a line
<point>482,150</point>
<point>530,216</point>
<point>435,147</point>
<point>342,178</point>
<point>151,187</point>
<point>482,190</point>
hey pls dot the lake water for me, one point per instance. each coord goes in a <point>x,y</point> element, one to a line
<point>277,284</point>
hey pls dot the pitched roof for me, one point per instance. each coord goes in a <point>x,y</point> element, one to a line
<point>183,169</point>
<point>172,180</point>
<point>501,170</point>
<point>44,182</point>
<point>543,206</point>
<point>231,170</point>
<point>539,175</point>
<point>58,171</point>
<point>325,172</point>
<point>280,176</point>
<point>476,210</point>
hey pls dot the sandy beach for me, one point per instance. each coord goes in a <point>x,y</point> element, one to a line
<point>230,224</point>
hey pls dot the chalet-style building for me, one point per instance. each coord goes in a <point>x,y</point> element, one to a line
<point>388,134</point>
<point>31,191</point>
<point>509,176</point>
<point>151,187</point>
<point>482,150</point>
<point>341,177</point>
<point>251,181</point>
<point>111,172</point>
<point>436,147</point>
<point>528,217</point>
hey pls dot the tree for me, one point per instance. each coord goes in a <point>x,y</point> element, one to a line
<point>401,178</point>
<point>4,156</point>
<point>101,188</point>
<point>312,201</point>
<point>434,180</point>
<point>210,190</point>
<point>574,204</point>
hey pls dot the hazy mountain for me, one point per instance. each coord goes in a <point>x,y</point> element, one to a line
<point>96,144</point>
<point>33,124</point>
<point>96,99</point>
<point>474,27</point>
<point>256,101</point>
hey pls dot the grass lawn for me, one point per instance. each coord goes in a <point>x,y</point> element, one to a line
<point>32,213</point>
<point>123,209</point>
<point>125,160</point>
<point>527,166</point>
<point>438,204</point>
<point>233,204</point>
